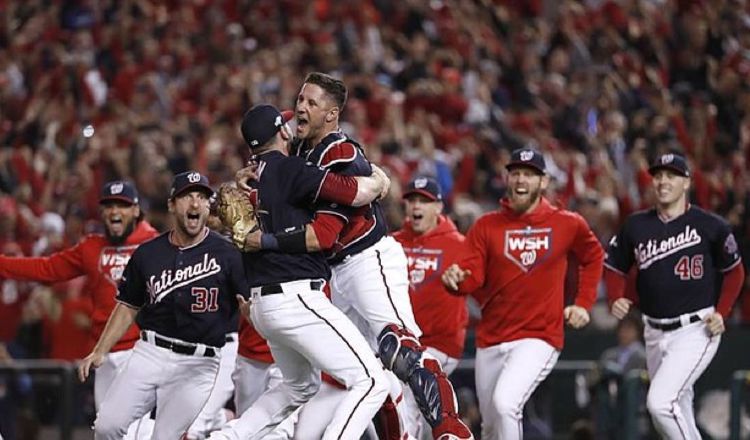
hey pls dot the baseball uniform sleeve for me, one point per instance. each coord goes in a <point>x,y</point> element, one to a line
<point>619,257</point>
<point>725,250</point>
<point>307,179</point>
<point>588,250</point>
<point>60,266</point>
<point>132,288</point>
<point>474,258</point>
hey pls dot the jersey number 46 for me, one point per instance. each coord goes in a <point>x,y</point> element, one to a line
<point>689,268</point>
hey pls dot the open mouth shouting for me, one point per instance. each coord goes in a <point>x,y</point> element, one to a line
<point>116,225</point>
<point>193,220</point>
<point>302,125</point>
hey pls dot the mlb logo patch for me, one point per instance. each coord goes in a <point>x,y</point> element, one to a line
<point>528,247</point>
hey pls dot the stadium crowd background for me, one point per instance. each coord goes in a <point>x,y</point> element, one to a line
<point>94,90</point>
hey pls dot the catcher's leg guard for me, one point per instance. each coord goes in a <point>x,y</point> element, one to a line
<point>402,353</point>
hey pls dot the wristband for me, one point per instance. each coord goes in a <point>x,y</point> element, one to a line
<point>292,242</point>
<point>268,242</point>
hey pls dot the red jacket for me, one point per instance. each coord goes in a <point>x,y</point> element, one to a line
<point>441,316</point>
<point>520,263</point>
<point>101,262</point>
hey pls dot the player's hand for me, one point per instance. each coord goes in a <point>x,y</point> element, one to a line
<point>244,307</point>
<point>715,323</point>
<point>93,360</point>
<point>383,177</point>
<point>576,316</point>
<point>252,241</point>
<point>250,172</point>
<point>453,276</point>
<point>621,307</point>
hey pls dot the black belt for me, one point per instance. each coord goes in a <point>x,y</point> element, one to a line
<point>667,327</point>
<point>177,347</point>
<point>271,289</point>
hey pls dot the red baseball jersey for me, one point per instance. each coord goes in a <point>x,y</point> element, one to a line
<point>520,262</point>
<point>441,316</point>
<point>95,257</point>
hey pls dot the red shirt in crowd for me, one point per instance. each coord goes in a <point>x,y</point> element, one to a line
<point>520,262</point>
<point>441,316</point>
<point>101,262</point>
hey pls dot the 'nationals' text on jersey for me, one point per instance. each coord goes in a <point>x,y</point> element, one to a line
<point>179,290</point>
<point>677,259</point>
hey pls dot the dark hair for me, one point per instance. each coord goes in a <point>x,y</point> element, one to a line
<point>333,87</point>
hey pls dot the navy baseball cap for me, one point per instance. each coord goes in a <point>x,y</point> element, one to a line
<point>119,190</point>
<point>670,161</point>
<point>426,186</point>
<point>187,181</point>
<point>261,123</point>
<point>527,157</point>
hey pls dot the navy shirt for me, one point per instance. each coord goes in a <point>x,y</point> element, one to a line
<point>284,195</point>
<point>185,293</point>
<point>365,225</point>
<point>679,262</point>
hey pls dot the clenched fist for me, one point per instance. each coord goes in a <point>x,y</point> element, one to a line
<point>621,307</point>
<point>576,316</point>
<point>715,323</point>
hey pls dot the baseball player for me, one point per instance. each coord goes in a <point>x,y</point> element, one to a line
<point>305,332</point>
<point>370,277</point>
<point>432,243</point>
<point>180,287</point>
<point>102,259</point>
<point>518,255</point>
<point>689,274</point>
<point>369,280</point>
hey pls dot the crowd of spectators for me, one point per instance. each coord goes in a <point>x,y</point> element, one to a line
<point>93,90</point>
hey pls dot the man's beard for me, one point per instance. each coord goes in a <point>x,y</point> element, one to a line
<point>524,206</point>
<point>120,239</point>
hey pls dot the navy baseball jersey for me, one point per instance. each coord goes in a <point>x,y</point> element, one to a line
<point>185,293</point>
<point>365,225</point>
<point>679,262</point>
<point>284,195</point>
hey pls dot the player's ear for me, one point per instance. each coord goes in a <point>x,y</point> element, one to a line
<point>545,182</point>
<point>332,114</point>
<point>286,132</point>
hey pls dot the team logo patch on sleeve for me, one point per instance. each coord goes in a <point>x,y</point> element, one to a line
<point>528,247</point>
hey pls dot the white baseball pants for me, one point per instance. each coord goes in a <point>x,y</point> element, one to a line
<point>306,334</point>
<point>375,284</point>
<point>506,375</point>
<point>104,375</point>
<point>675,360</point>
<point>212,415</point>
<point>180,384</point>
<point>251,378</point>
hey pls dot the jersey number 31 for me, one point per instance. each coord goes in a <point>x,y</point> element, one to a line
<point>689,268</point>
<point>206,300</point>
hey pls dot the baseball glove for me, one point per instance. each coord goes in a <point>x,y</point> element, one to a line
<point>237,213</point>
